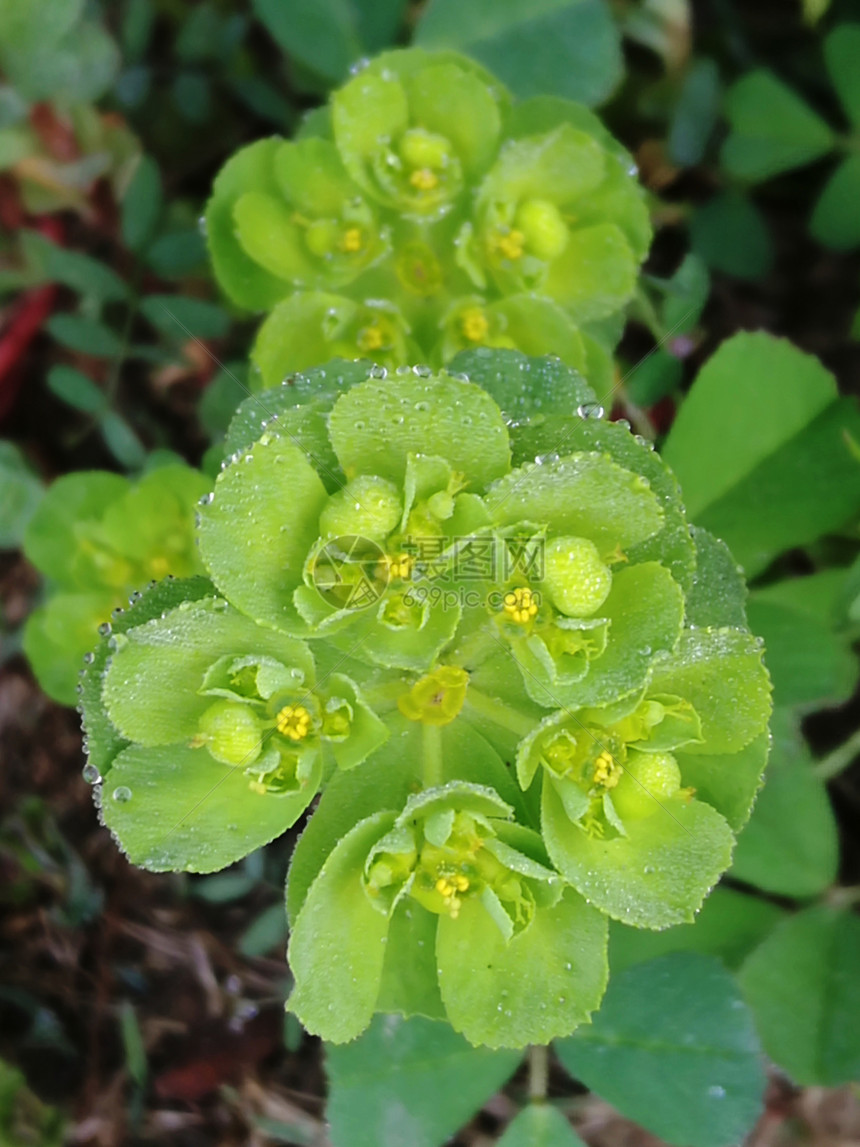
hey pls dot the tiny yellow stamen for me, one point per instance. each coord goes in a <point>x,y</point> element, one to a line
<point>294,721</point>
<point>521,604</point>
<point>371,338</point>
<point>474,324</point>
<point>351,241</point>
<point>606,771</point>
<point>400,566</point>
<point>512,245</point>
<point>424,179</point>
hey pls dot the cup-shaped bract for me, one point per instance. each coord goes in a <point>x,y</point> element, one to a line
<point>97,538</point>
<point>472,614</point>
<point>424,213</point>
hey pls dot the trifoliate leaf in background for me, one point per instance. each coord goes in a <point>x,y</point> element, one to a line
<point>122,440</point>
<point>803,988</point>
<point>76,389</point>
<point>762,448</point>
<point>569,48</point>
<point>180,317</point>
<point>385,1088</point>
<point>790,846</point>
<point>539,1125</point>
<point>74,269</point>
<point>21,494</point>
<point>674,1048</point>
<point>732,236</point>
<point>841,50</point>
<point>773,128</point>
<point>88,336</point>
<point>141,204</point>
<point>729,925</point>
<point>695,114</point>
<point>836,218</point>
<point>810,663</point>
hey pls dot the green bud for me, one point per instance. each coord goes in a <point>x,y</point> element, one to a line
<point>322,237</point>
<point>545,230</point>
<point>575,578</point>
<point>231,732</point>
<point>424,149</point>
<point>367,506</point>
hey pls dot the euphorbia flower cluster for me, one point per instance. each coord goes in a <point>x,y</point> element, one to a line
<point>424,212</point>
<point>471,616</point>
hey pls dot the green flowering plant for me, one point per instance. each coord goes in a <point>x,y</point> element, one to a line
<point>423,213</point>
<point>469,615</point>
<point>98,537</point>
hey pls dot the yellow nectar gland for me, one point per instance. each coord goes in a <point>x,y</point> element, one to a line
<point>448,887</point>
<point>424,179</point>
<point>371,338</point>
<point>351,241</point>
<point>606,771</point>
<point>521,604</point>
<point>294,721</point>
<point>474,325</point>
<point>512,244</point>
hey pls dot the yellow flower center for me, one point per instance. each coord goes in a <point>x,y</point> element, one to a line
<point>448,887</point>
<point>371,338</point>
<point>512,244</point>
<point>474,324</point>
<point>351,240</point>
<point>521,604</point>
<point>424,179</point>
<point>606,771</point>
<point>294,721</point>
<point>399,566</point>
<point>436,698</point>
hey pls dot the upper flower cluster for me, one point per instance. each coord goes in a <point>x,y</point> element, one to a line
<point>422,213</point>
<point>473,615</point>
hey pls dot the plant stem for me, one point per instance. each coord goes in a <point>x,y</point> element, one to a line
<point>538,1072</point>
<point>839,760</point>
<point>498,712</point>
<point>432,745</point>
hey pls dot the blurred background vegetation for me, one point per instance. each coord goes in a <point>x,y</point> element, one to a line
<point>139,1008</point>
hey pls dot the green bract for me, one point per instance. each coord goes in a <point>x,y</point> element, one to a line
<point>473,616</point>
<point>97,537</point>
<point>426,215</point>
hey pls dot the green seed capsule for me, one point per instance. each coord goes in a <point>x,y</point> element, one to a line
<point>545,231</point>
<point>367,506</point>
<point>575,578</point>
<point>231,732</point>
<point>648,780</point>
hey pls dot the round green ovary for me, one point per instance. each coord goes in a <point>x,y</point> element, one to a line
<point>648,780</point>
<point>575,578</point>
<point>231,732</point>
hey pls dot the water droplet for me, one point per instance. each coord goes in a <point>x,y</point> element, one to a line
<point>104,629</point>
<point>377,371</point>
<point>91,774</point>
<point>717,1092</point>
<point>207,499</point>
<point>89,658</point>
<point>122,794</point>
<point>403,370</point>
<point>590,410</point>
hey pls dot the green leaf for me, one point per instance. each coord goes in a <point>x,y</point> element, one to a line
<point>841,50</point>
<point>177,253</point>
<point>180,317</point>
<point>59,634</point>
<point>51,536</point>
<point>151,689</point>
<point>731,235</point>
<point>90,277</point>
<point>21,494</point>
<point>142,204</point>
<point>76,389</point>
<point>802,986</point>
<point>265,934</point>
<point>319,33</point>
<point>338,939</point>
<point>729,925</point>
<point>385,1088</point>
<point>539,985</point>
<point>569,48</point>
<point>377,424</point>
<point>88,336</point>
<point>695,113</point>
<point>171,807</point>
<point>810,664</point>
<point>791,845</point>
<point>726,781</point>
<point>835,220</point>
<point>249,516</point>
<point>122,441</point>
<point>674,1049</point>
<point>773,129</point>
<point>524,386</point>
<point>539,1125</point>
<point>760,449</point>
<point>246,283</point>
<point>655,876</point>
<point>718,596</point>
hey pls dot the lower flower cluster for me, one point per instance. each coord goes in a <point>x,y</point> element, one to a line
<point>471,616</point>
